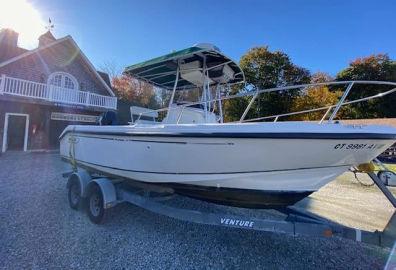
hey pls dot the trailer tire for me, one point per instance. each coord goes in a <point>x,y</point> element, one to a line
<point>74,195</point>
<point>95,205</point>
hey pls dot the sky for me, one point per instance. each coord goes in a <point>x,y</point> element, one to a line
<point>317,34</point>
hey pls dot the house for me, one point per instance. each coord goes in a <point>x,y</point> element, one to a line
<point>45,89</point>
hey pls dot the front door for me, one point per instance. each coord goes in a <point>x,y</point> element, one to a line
<point>15,132</point>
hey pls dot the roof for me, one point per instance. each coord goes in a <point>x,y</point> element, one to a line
<point>48,35</point>
<point>46,38</point>
<point>64,39</point>
<point>8,52</point>
<point>161,71</point>
<point>105,77</point>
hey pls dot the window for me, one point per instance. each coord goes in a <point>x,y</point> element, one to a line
<point>64,80</point>
<point>56,80</point>
<point>69,83</point>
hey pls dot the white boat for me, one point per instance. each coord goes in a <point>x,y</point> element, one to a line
<point>247,164</point>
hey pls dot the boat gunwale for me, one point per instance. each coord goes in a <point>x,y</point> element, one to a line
<point>246,135</point>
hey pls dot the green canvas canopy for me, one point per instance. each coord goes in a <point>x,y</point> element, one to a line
<point>161,71</point>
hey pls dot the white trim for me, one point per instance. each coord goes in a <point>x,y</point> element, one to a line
<point>2,84</point>
<point>24,88</point>
<point>5,133</point>
<point>16,58</point>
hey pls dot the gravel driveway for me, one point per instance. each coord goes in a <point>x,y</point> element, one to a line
<point>38,230</point>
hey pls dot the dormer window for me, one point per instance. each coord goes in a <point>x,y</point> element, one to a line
<point>64,80</point>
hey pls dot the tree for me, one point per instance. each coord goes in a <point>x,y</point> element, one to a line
<point>132,92</point>
<point>315,97</point>
<point>374,67</point>
<point>111,68</point>
<point>321,77</point>
<point>234,108</point>
<point>265,69</point>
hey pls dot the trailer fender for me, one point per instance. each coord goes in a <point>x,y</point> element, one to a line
<point>83,178</point>
<point>108,191</point>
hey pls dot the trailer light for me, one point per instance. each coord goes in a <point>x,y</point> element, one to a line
<point>109,205</point>
<point>328,233</point>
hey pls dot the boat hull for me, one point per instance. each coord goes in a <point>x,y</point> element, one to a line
<point>249,172</point>
<point>247,198</point>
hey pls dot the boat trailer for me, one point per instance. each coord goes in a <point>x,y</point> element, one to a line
<point>98,194</point>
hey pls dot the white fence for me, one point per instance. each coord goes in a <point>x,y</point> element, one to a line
<point>24,88</point>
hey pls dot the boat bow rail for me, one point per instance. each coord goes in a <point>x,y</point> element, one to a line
<point>331,110</point>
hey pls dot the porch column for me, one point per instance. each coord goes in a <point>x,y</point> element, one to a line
<point>2,84</point>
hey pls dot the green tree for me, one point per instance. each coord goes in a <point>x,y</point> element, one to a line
<point>315,97</point>
<point>377,68</point>
<point>234,108</point>
<point>267,69</point>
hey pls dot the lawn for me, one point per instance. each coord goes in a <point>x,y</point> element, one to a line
<point>391,167</point>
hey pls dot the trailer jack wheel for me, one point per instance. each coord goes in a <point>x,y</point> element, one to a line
<point>74,196</point>
<point>95,207</point>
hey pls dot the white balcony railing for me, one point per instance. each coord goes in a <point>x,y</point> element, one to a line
<point>24,88</point>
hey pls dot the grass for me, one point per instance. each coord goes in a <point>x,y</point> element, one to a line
<point>391,167</point>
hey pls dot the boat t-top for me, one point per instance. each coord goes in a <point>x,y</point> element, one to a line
<point>188,148</point>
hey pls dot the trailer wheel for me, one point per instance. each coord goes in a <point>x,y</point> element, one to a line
<point>74,195</point>
<point>95,205</point>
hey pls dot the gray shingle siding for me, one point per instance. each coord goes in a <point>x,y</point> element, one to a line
<point>62,57</point>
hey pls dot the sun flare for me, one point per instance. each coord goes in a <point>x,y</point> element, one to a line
<point>22,17</point>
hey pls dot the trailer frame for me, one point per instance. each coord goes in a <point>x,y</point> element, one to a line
<point>110,191</point>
